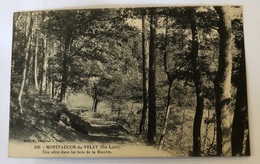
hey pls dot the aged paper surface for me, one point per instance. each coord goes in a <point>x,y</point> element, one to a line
<point>129,82</point>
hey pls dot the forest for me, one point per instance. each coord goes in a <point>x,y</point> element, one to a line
<point>173,77</point>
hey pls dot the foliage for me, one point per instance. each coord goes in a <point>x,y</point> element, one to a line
<point>98,52</point>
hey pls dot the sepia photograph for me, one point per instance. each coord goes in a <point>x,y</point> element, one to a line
<point>129,82</point>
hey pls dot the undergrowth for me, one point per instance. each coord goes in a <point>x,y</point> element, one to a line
<point>39,121</point>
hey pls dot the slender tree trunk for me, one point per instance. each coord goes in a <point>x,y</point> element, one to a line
<point>94,105</point>
<point>170,81</point>
<point>144,111</point>
<point>197,126</point>
<point>240,121</point>
<point>36,67</point>
<point>223,83</point>
<point>152,91</point>
<point>29,79</point>
<point>95,99</point>
<point>168,108</point>
<point>25,66</point>
<point>44,67</point>
<point>198,86</point>
<point>65,69</point>
<point>50,84</point>
<point>36,62</point>
<point>64,78</point>
<point>53,88</point>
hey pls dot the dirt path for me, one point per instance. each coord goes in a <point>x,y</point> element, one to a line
<point>108,132</point>
<point>101,130</point>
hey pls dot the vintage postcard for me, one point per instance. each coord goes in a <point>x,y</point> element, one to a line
<point>129,82</point>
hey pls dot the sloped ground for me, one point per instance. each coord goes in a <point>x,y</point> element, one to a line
<point>40,121</point>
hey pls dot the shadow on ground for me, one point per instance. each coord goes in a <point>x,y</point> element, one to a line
<point>108,133</point>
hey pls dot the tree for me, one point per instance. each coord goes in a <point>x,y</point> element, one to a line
<point>223,82</point>
<point>81,33</point>
<point>144,64</point>
<point>104,54</point>
<point>65,73</point>
<point>98,82</point>
<point>152,91</point>
<point>44,66</point>
<point>198,85</point>
<point>67,26</point>
<point>240,120</point>
<point>25,65</point>
<point>35,58</point>
<point>95,94</point>
<point>170,79</point>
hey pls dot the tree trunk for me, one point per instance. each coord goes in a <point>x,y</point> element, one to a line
<point>64,78</point>
<point>94,105</point>
<point>25,66</point>
<point>50,84</point>
<point>44,67</point>
<point>247,153</point>
<point>36,64</point>
<point>65,69</point>
<point>95,99</point>
<point>170,81</point>
<point>240,121</point>
<point>144,111</point>
<point>53,88</point>
<point>168,108</point>
<point>223,83</point>
<point>152,91</point>
<point>29,80</point>
<point>198,85</point>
